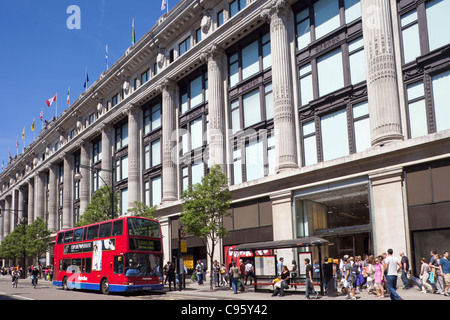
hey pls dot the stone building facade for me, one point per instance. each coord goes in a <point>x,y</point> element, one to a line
<point>329,117</point>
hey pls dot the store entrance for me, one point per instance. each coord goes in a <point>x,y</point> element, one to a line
<point>340,214</point>
<point>353,245</point>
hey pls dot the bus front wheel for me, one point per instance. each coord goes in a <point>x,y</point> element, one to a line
<point>104,286</point>
<point>64,284</point>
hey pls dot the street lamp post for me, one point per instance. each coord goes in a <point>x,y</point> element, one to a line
<point>78,176</point>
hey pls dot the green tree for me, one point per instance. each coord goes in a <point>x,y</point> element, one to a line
<point>99,209</point>
<point>140,209</point>
<point>37,239</point>
<point>13,244</point>
<point>204,206</point>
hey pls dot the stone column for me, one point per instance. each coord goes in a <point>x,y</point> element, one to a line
<point>169,170</point>
<point>389,218</point>
<point>53,197</point>
<point>85,182</point>
<point>384,106</point>
<point>14,210</point>
<point>216,106</point>
<point>166,236</point>
<point>7,216</point>
<point>2,208</point>
<point>40,195</point>
<point>133,155</point>
<point>283,99</point>
<point>31,200</point>
<point>67,191</point>
<point>283,228</point>
<point>20,206</point>
<point>107,144</point>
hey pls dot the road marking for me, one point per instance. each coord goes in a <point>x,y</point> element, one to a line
<point>20,297</point>
<point>15,296</point>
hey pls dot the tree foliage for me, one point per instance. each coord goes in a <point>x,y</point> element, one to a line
<point>33,242</point>
<point>140,209</point>
<point>37,239</point>
<point>13,244</point>
<point>204,206</point>
<point>99,208</point>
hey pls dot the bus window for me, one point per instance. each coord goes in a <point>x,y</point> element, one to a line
<point>118,264</point>
<point>60,238</point>
<point>86,264</point>
<point>117,228</point>
<point>76,266</point>
<point>143,228</point>
<point>68,236</point>
<point>92,233</point>
<point>65,264</point>
<point>105,230</point>
<point>78,235</point>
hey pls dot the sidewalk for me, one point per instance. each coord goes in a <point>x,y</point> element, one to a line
<point>225,293</point>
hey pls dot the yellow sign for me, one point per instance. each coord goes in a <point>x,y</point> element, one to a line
<point>188,261</point>
<point>183,244</point>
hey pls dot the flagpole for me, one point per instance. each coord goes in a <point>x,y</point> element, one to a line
<point>56,108</point>
<point>167,7</point>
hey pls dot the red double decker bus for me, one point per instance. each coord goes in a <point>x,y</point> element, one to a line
<point>119,255</point>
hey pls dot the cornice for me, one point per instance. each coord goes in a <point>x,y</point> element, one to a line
<point>243,23</point>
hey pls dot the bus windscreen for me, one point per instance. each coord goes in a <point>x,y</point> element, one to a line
<point>143,228</point>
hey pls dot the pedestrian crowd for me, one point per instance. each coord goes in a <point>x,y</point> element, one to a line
<point>377,275</point>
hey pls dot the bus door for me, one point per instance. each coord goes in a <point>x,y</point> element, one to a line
<point>118,265</point>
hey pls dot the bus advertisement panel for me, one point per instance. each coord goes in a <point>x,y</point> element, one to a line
<point>119,255</point>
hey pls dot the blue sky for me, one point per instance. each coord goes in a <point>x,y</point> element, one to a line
<point>40,56</point>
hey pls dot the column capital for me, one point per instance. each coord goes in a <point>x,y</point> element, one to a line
<point>276,7</point>
<point>131,108</point>
<point>104,126</point>
<point>166,84</point>
<point>213,52</point>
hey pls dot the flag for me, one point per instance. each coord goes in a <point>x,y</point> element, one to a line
<point>163,5</point>
<point>86,80</point>
<point>23,133</point>
<point>68,96</point>
<point>50,101</point>
<point>32,125</point>
<point>133,34</point>
<point>3,164</point>
<point>41,116</point>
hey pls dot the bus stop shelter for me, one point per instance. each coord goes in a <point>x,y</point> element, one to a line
<point>290,243</point>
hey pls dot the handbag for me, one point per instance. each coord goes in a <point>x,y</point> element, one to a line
<point>431,277</point>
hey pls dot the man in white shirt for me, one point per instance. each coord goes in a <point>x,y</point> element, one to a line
<point>392,266</point>
<point>280,266</point>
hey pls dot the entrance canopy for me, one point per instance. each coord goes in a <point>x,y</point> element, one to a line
<point>290,243</point>
<point>283,244</point>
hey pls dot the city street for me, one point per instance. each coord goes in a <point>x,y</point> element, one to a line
<point>46,291</point>
<point>198,301</point>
